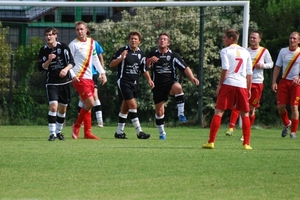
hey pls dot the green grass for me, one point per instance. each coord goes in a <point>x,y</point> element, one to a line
<point>178,168</point>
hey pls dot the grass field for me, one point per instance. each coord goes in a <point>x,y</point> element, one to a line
<point>178,168</point>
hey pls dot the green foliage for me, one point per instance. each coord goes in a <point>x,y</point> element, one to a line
<point>183,28</point>
<point>5,61</point>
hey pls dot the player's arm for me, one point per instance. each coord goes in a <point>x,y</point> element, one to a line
<point>188,72</point>
<point>118,57</point>
<point>276,72</point>
<point>100,56</point>
<point>268,62</point>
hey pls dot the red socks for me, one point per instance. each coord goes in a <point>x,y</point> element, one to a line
<point>214,127</point>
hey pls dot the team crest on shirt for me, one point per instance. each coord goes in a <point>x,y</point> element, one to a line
<point>238,54</point>
<point>139,56</point>
<point>168,58</point>
<point>58,51</point>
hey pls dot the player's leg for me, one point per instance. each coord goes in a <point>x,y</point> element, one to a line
<point>160,120</point>
<point>176,90</point>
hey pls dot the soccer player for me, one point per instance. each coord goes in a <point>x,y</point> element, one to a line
<point>97,105</point>
<point>234,86</point>
<point>261,59</point>
<point>288,62</point>
<point>130,61</point>
<point>83,49</point>
<point>163,63</point>
<point>56,59</point>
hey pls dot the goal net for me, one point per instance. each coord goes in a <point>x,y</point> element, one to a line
<point>110,22</point>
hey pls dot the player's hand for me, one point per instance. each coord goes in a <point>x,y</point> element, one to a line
<point>151,83</point>
<point>249,94</point>
<point>274,87</point>
<point>153,59</point>
<point>75,79</point>
<point>259,66</point>
<point>124,54</point>
<point>296,80</point>
<point>103,79</point>
<point>195,81</point>
<point>51,56</point>
<point>63,73</point>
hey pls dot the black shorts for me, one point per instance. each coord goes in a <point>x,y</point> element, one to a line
<point>59,93</point>
<point>161,92</point>
<point>127,89</point>
<point>96,80</point>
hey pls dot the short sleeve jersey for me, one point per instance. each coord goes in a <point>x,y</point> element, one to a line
<point>99,50</point>
<point>237,61</point>
<point>134,63</point>
<point>63,58</point>
<point>164,70</point>
<point>290,63</point>
<point>85,56</point>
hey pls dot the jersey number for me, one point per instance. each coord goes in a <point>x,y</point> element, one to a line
<point>239,64</point>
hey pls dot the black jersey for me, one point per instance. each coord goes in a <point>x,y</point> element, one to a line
<point>164,70</point>
<point>63,58</point>
<point>130,67</point>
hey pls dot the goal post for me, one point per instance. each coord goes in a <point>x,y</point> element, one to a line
<point>182,19</point>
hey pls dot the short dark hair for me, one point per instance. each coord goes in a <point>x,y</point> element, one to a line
<point>135,33</point>
<point>232,33</point>
<point>54,30</point>
<point>166,34</point>
<point>258,32</point>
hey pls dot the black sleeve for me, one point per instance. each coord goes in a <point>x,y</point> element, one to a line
<point>40,60</point>
<point>69,59</point>
<point>118,53</point>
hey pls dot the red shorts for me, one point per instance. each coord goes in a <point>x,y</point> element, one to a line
<point>288,93</point>
<point>230,96</point>
<point>256,91</point>
<point>85,88</point>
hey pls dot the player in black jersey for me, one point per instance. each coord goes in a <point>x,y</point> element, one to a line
<point>130,61</point>
<point>56,59</point>
<point>164,63</point>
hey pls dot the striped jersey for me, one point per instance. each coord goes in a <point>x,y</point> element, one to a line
<point>237,61</point>
<point>85,56</point>
<point>289,61</point>
<point>134,63</point>
<point>63,58</point>
<point>164,69</point>
<point>260,55</point>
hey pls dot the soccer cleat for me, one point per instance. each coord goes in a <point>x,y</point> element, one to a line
<point>208,145</point>
<point>182,118</point>
<point>91,136</point>
<point>285,129</point>
<point>60,136</point>
<point>100,124</point>
<point>51,137</point>
<point>162,137</point>
<point>75,132</point>
<point>293,135</point>
<point>247,147</point>
<point>120,136</point>
<point>242,138</point>
<point>229,132</point>
<point>143,135</point>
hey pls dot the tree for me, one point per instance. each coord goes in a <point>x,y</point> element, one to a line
<point>183,26</point>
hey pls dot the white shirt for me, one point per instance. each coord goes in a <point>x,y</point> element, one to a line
<point>237,61</point>
<point>265,59</point>
<point>284,57</point>
<point>85,56</point>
